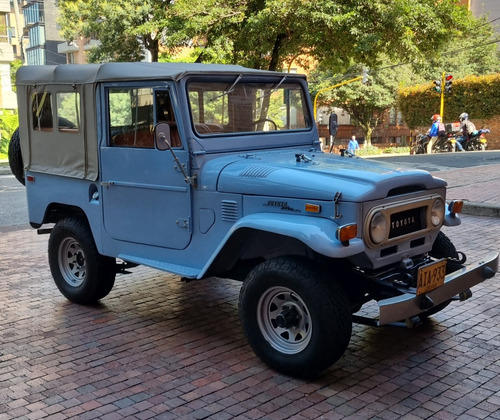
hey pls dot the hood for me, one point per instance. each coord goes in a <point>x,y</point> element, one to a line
<point>312,175</point>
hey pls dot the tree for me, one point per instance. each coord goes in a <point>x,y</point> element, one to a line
<point>365,103</point>
<point>124,28</point>
<point>265,33</point>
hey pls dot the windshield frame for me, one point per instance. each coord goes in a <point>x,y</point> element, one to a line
<point>303,134</point>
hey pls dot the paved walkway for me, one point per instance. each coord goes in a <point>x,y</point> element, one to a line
<point>159,348</point>
<point>479,186</point>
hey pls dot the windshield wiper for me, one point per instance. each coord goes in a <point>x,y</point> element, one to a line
<point>273,89</point>
<point>228,90</point>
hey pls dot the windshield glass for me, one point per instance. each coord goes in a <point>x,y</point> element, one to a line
<point>236,106</point>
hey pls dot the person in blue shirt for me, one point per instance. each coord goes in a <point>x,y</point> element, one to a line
<point>352,146</point>
<point>437,128</point>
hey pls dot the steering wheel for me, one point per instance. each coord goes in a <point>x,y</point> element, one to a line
<point>264,120</point>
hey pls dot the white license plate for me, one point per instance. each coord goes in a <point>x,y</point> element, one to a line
<point>431,276</point>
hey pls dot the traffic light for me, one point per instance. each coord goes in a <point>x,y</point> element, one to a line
<point>448,80</point>
<point>437,86</point>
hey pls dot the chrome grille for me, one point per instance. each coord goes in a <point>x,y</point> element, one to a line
<point>405,222</point>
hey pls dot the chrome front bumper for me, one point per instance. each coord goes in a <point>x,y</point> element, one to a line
<point>406,306</point>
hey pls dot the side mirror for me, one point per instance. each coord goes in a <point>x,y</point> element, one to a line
<point>333,124</point>
<point>162,137</point>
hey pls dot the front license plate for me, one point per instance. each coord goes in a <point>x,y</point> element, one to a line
<point>431,276</point>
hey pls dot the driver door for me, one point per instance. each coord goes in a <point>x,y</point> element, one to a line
<point>145,198</point>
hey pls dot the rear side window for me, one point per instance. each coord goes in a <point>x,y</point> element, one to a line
<point>41,111</point>
<point>68,111</point>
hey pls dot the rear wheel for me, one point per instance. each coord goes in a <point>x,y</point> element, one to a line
<point>295,320</point>
<point>81,274</point>
<point>15,157</point>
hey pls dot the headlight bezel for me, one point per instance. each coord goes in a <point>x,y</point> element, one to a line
<point>378,227</point>
<point>437,212</point>
<point>433,210</point>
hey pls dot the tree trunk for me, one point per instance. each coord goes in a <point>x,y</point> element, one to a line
<point>275,56</point>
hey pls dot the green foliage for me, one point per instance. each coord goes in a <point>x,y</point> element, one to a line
<point>13,69</point>
<point>8,123</point>
<point>263,33</point>
<point>363,102</point>
<point>122,27</point>
<point>375,151</point>
<point>476,95</point>
<point>369,151</point>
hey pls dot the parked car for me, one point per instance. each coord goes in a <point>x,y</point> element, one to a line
<point>215,170</point>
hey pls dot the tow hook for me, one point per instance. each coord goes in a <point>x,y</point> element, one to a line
<point>465,295</point>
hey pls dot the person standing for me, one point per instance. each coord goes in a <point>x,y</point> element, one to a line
<point>352,146</point>
<point>437,128</point>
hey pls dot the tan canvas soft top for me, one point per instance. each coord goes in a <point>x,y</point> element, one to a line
<point>75,153</point>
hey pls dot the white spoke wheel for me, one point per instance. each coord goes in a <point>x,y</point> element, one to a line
<point>72,262</point>
<point>284,320</point>
<point>296,320</point>
<point>81,274</point>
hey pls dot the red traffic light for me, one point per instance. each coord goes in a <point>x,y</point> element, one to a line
<point>448,77</point>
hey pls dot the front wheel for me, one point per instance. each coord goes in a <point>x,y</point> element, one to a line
<point>295,320</point>
<point>443,248</point>
<point>81,274</point>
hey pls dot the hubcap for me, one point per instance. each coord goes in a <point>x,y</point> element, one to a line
<point>72,262</point>
<point>284,320</point>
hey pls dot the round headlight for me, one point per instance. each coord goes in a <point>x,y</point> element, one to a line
<point>437,212</point>
<point>378,227</point>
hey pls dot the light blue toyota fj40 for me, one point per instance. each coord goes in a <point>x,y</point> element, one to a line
<point>214,170</point>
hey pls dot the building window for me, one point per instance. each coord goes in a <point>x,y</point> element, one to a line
<point>4,33</point>
<point>395,116</point>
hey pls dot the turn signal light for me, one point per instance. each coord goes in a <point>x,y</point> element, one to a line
<point>456,206</point>
<point>313,208</point>
<point>346,233</point>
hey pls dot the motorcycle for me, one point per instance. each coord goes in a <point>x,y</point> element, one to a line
<point>476,141</point>
<point>444,143</point>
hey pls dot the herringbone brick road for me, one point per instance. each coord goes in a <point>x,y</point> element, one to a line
<point>160,348</point>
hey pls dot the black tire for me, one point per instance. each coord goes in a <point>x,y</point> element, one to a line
<point>443,248</point>
<point>81,274</point>
<point>296,321</point>
<point>15,157</point>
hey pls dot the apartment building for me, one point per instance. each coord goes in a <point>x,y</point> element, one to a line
<point>42,32</point>
<point>8,46</point>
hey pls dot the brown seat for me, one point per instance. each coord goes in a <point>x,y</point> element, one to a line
<point>175,139</point>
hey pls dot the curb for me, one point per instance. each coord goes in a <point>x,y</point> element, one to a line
<point>481,209</point>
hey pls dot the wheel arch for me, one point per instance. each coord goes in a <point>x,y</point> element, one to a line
<point>57,211</point>
<point>260,237</point>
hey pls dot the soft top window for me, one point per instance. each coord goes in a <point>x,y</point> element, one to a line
<point>237,106</point>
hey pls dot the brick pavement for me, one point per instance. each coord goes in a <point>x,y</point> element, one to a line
<point>476,184</point>
<point>160,348</point>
